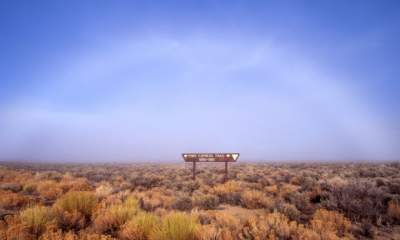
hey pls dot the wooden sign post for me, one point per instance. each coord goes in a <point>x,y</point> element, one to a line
<point>210,157</point>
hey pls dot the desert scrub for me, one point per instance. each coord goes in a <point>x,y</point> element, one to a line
<point>74,209</point>
<point>271,226</point>
<point>276,226</point>
<point>14,187</point>
<point>229,192</point>
<point>77,184</point>
<point>112,218</point>
<point>13,229</point>
<point>176,226</point>
<point>206,201</point>
<point>325,222</point>
<point>183,203</point>
<point>394,210</point>
<point>82,202</point>
<point>256,199</point>
<point>13,201</point>
<point>140,227</point>
<point>289,210</point>
<point>104,190</point>
<point>125,211</point>
<point>358,200</point>
<point>49,190</point>
<point>36,218</point>
<point>30,188</point>
<point>59,235</point>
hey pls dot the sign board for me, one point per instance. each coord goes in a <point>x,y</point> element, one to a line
<point>210,157</point>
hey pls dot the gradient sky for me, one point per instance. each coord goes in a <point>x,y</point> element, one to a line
<point>146,81</point>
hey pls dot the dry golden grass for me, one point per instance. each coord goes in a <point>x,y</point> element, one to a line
<point>394,210</point>
<point>330,223</point>
<point>140,227</point>
<point>256,199</point>
<point>104,190</point>
<point>49,190</point>
<point>35,219</point>
<point>82,202</point>
<point>110,220</point>
<point>176,226</point>
<point>229,192</point>
<point>74,209</point>
<point>13,201</point>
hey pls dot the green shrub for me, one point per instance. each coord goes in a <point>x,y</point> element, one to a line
<point>140,227</point>
<point>81,202</point>
<point>74,209</point>
<point>36,218</point>
<point>176,226</point>
<point>124,212</point>
<point>111,219</point>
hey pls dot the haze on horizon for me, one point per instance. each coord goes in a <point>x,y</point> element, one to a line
<point>145,81</point>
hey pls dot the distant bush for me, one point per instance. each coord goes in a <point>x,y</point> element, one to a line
<point>206,201</point>
<point>183,203</point>
<point>104,190</point>
<point>74,184</point>
<point>14,187</point>
<point>256,199</point>
<point>150,200</point>
<point>176,226</point>
<point>36,218</point>
<point>49,190</point>
<point>150,204</point>
<point>13,201</point>
<point>30,188</point>
<point>289,210</point>
<point>229,192</point>
<point>147,181</point>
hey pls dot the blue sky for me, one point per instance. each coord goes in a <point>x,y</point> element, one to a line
<point>145,81</point>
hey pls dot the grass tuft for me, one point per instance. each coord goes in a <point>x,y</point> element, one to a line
<point>176,226</point>
<point>36,218</point>
<point>82,202</point>
<point>140,227</point>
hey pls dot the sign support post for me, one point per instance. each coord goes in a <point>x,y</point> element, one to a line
<point>194,170</point>
<point>226,171</point>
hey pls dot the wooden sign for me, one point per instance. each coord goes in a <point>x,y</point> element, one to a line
<point>210,157</point>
